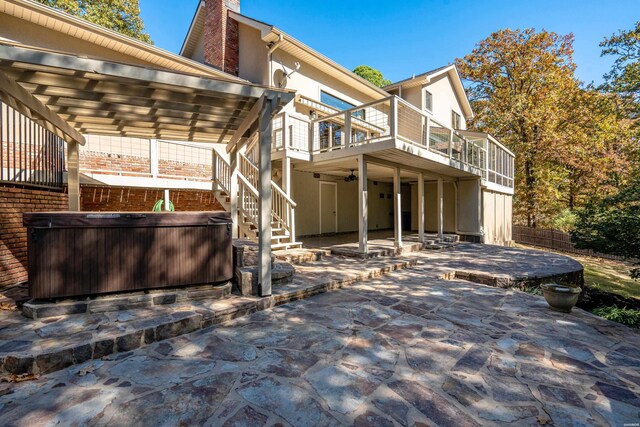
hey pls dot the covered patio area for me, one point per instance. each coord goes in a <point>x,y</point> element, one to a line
<point>388,194</point>
<point>74,95</point>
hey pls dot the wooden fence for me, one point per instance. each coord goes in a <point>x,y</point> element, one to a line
<point>553,239</point>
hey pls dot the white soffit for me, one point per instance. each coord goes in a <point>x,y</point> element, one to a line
<point>54,20</point>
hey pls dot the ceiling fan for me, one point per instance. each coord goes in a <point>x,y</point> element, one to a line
<point>351,177</point>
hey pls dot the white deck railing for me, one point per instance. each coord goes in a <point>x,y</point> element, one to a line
<point>393,118</point>
<point>290,132</point>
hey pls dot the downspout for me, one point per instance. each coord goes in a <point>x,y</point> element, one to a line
<point>272,47</point>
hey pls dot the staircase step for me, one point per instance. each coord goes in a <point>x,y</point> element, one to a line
<point>247,277</point>
<point>300,255</point>
<point>288,245</point>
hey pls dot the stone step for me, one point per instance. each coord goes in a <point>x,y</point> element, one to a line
<point>300,256</point>
<point>39,309</point>
<point>352,250</point>
<point>246,282</point>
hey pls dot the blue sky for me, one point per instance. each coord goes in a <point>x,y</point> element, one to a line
<point>402,38</point>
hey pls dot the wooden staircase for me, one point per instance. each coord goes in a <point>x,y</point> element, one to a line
<point>283,208</point>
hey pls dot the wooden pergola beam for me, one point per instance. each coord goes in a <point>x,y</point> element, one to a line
<point>247,123</point>
<point>48,118</point>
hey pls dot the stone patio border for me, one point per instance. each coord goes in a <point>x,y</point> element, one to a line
<point>33,361</point>
<point>506,281</point>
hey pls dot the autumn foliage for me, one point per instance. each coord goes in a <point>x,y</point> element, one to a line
<point>571,145</point>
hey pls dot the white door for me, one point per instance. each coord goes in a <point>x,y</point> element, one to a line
<point>328,207</point>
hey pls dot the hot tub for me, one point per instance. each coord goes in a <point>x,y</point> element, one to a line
<point>88,253</point>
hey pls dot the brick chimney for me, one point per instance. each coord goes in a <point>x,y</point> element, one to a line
<point>221,35</point>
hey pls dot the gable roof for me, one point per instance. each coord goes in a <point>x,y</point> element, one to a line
<point>272,34</point>
<point>81,29</point>
<point>426,78</point>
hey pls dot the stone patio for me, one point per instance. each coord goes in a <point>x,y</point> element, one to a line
<point>409,348</point>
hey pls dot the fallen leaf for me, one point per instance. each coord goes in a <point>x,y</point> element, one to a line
<point>13,378</point>
<point>86,370</point>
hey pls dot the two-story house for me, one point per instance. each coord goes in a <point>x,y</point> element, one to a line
<point>346,156</point>
<point>355,157</point>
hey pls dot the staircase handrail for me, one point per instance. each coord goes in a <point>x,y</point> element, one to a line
<point>274,186</point>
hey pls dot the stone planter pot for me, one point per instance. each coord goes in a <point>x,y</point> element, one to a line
<point>560,297</point>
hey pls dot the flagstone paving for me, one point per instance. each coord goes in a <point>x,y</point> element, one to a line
<point>409,348</point>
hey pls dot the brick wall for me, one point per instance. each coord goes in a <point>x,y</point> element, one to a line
<point>91,161</point>
<point>101,162</point>
<point>121,199</point>
<point>195,170</point>
<point>221,35</point>
<point>13,236</point>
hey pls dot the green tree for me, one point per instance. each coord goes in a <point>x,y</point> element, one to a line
<point>122,16</point>
<point>567,139</point>
<point>612,225</point>
<point>372,75</point>
<point>624,77</point>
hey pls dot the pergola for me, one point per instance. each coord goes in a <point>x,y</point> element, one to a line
<point>72,96</point>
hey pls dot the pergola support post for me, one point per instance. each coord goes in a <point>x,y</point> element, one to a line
<point>440,210</point>
<point>73,175</point>
<point>421,207</point>
<point>397,208</point>
<point>363,205</point>
<point>480,208</point>
<point>264,196</point>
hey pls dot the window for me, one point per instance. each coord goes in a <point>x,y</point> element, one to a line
<point>334,102</point>
<point>428,101</point>
<point>339,104</point>
<point>455,120</point>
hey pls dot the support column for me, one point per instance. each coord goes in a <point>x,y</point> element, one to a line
<point>286,175</point>
<point>153,158</point>
<point>286,187</point>
<point>397,208</point>
<point>480,212</point>
<point>73,176</point>
<point>233,190</point>
<point>440,209</point>
<point>421,207</point>
<point>264,197</point>
<point>214,171</point>
<point>363,205</point>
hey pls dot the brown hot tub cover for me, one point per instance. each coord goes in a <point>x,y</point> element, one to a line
<point>86,253</point>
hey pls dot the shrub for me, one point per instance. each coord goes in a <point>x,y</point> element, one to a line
<point>626,316</point>
<point>565,220</point>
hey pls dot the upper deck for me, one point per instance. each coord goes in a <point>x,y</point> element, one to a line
<point>394,130</point>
